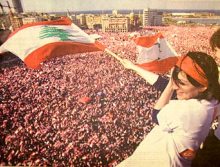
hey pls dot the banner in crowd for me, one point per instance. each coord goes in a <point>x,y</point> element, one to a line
<point>37,42</point>
<point>155,53</point>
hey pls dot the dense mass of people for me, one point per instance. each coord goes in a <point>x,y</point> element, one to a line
<point>43,121</point>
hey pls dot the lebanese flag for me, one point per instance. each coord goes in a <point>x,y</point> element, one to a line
<point>37,42</point>
<point>155,53</point>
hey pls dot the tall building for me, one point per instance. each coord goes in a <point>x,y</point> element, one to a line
<point>152,17</point>
<point>145,17</point>
<point>17,6</point>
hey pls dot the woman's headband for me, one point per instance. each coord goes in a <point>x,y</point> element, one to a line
<point>190,67</point>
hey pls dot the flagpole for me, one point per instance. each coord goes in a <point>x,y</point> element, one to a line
<point>114,55</point>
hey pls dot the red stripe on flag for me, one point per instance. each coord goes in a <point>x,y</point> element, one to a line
<point>57,49</point>
<point>160,66</point>
<point>147,41</point>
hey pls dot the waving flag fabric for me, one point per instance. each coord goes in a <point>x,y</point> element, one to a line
<point>34,43</point>
<point>155,53</point>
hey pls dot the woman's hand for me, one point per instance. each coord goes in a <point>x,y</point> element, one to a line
<point>166,95</point>
<point>171,82</point>
<point>150,77</point>
<point>189,154</point>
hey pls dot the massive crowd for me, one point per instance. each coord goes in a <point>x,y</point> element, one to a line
<point>43,120</point>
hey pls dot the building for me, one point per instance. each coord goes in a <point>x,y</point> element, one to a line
<point>203,21</point>
<point>131,16</point>
<point>74,19</point>
<point>183,14</point>
<point>5,22</point>
<point>27,20</point>
<point>82,20</point>
<point>17,6</point>
<point>152,17</point>
<point>145,17</point>
<point>115,24</point>
<point>16,21</point>
<point>114,12</point>
<point>134,21</point>
<point>93,21</point>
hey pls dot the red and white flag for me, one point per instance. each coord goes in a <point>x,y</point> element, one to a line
<point>155,53</point>
<point>36,42</point>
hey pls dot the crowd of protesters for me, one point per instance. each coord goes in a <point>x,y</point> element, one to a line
<point>45,119</point>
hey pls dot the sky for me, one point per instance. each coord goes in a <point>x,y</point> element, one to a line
<point>83,5</point>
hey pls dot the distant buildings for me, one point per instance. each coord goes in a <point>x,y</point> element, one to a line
<point>115,24</point>
<point>114,13</point>
<point>134,21</point>
<point>74,19</point>
<point>16,21</point>
<point>94,21</point>
<point>112,22</point>
<point>204,21</point>
<point>79,20</point>
<point>82,20</point>
<point>193,18</point>
<point>152,17</point>
<point>27,20</point>
<point>120,22</point>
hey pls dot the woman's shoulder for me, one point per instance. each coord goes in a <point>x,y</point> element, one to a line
<point>194,104</point>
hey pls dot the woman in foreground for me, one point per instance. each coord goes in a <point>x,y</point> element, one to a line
<point>182,124</point>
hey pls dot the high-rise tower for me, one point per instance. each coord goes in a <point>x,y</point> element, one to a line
<point>17,6</point>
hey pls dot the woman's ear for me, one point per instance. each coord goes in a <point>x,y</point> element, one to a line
<point>202,89</point>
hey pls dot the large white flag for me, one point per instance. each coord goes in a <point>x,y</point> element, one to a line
<point>34,43</point>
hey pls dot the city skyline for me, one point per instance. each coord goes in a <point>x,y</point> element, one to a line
<point>85,5</point>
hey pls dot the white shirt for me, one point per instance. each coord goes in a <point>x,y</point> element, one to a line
<point>189,119</point>
<point>183,124</point>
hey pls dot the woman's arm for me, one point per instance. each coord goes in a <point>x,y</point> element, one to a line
<point>150,77</point>
<point>162,101</point>
<point>165,96</point>
<point>155,80</point>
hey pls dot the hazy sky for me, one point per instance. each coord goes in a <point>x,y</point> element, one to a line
<point>76,5</point>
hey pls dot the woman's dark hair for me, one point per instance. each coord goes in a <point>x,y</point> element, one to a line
<point>210,68</point>
<point>215,40</point>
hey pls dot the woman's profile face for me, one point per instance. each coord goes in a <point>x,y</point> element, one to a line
<point>185,90</point>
